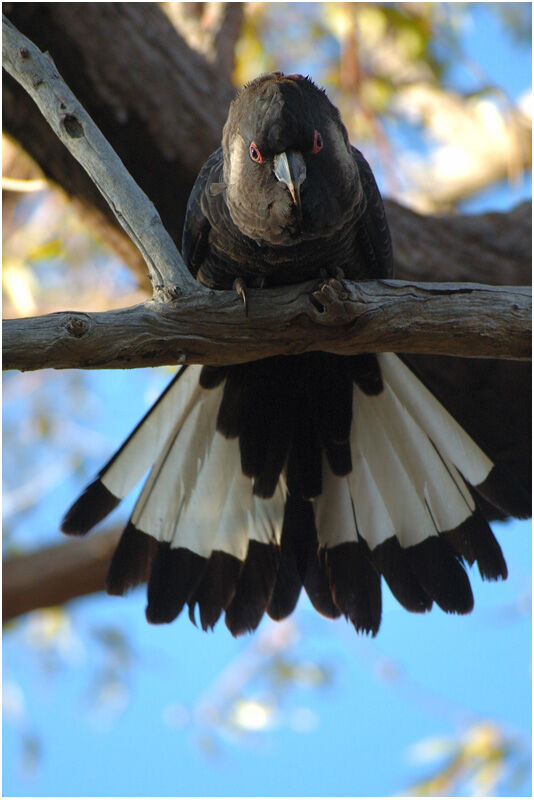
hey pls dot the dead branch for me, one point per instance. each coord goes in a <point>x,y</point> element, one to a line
<point>340,317</point>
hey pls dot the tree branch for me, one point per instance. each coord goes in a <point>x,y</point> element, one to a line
<point>54,575</point>
<point>340,317</point>
<point>211,29</point>
<point>36,72</point>
<point>186,333</point>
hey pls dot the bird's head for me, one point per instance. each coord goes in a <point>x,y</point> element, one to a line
<point>288,168</point>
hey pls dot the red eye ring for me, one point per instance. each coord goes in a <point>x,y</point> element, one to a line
<point>317,142</point>
<point>255,154</point>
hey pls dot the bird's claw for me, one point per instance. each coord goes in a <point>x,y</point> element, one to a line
<point>240,287</point>
<point>328,299</point>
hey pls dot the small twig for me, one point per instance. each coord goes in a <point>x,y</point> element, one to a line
<point>36,72</point>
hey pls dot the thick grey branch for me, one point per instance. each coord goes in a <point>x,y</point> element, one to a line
<point>36,72</point>
<point>210,327</point>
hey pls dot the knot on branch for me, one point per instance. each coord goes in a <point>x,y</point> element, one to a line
<point>77,326</point>
<point>72,126</point>
<point>167,293</point>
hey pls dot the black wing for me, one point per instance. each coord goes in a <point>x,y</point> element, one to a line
<point>196,226</point>
<point>373,236</point>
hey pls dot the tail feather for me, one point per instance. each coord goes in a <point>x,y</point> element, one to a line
<point>353,579</point>
<point>131,561</point>
<point>224,523</point>
<point>130,462</point>
<point>365,372</point>
<point>210,377</point>
<point>406,499</point>
<point>508,494</point>
<point>91,507</point>
<point>311,562</point>
<point>441,575</point>
<point>317,583</point>
<point>170,486</point>
<point>306,451</point>
<point>474,541</point>
<point>254,588</point>
<point>286,590</point>
<point>355,585</point>
<point>216,588</point>
<point>216,513</point>
<point>448,436</point>
<point>197,499</point>
<point>334,399</point>
<point>173,578</point>
<point>393,563</point>
<point>146,442</point>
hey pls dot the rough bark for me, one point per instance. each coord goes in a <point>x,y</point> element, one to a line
<point>338,317</point>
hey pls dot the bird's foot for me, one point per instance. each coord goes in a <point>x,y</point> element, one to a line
<point>331,301</point>
<point>240,287</point>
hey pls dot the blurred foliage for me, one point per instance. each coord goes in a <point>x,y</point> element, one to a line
<point>270,684</point>
<point>517,19</point>
<point>482,761</point>
<point>256,693</point>
<point>389,67</point>
<point>58,644</point>
<point>49,254</point>
<point>48,438</point>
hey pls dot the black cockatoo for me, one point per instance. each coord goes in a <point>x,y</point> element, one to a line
<point>314,470</point>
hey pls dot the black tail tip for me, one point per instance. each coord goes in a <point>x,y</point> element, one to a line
<point>90,508</point>
<point>507,492</point>
<point>131,561</point>
<point>160,615</point>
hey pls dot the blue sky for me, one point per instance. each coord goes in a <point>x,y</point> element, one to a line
<point>89,713</point>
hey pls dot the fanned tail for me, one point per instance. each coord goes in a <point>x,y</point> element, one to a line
<point>317,471</point>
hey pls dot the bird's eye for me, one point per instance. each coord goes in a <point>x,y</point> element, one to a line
<point>254,153</point>
<point>317,142</point>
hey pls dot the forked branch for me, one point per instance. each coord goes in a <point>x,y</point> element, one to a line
<point>185,323</point>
